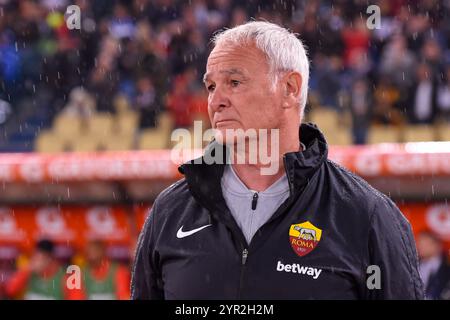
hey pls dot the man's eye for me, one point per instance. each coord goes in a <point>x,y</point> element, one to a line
<point>210,88</point>
<point>235,83</point>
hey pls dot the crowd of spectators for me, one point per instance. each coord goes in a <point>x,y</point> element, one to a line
<point>153,52</point>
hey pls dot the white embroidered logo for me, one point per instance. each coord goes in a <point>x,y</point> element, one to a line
<point>183,234</point>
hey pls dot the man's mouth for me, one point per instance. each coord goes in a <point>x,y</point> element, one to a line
<point>225,122</point>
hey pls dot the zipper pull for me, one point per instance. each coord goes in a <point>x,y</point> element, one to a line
<point>244,256</point>
<point>254,200</point>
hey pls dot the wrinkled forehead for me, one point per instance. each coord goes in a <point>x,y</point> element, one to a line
<point>225,72</point>
<point>228,58</point>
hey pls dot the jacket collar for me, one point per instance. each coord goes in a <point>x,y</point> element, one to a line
<point>203,179</point>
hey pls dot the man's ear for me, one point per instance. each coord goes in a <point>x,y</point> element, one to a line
<point>292,89</point>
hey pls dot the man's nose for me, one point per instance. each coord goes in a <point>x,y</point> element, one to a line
<point>218,99</point>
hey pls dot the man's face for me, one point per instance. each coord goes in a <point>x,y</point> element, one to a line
<point>240,91</point>
<point>427,247</point>
<point>94,253</point>
<point>40,260</point>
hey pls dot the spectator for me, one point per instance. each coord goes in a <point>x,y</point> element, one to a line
<point>122,25</point>
<point>180,101</point>
<point>434,267</point>
<point>146,102</point>
<point>386,97</point>
<point>104,78</point>
<point>329,80</point>
<point>42,279</point>
<point>8,256</point>
<point>199,108</point>
<point>356,38</point>
<point>422,104</point>
<point>104,279</point>
<point>398,62</point>
<point>361,109</point>
<point>81,103</point>
<point>443,97</point>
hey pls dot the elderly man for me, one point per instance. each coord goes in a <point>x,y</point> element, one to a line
<point>309,230</point>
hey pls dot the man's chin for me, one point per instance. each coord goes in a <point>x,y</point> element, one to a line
<point>229,135</point>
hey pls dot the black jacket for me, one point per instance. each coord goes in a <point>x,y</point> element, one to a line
<point>351,227</point>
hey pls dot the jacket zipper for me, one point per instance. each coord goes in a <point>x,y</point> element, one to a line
<point>241,281</point>
<point>245,251</point>
<point>254,200</point>
<point>244,256</point>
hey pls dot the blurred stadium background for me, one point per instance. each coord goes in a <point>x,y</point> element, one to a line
<point>86,115</point>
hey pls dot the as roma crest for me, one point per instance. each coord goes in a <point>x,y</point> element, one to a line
<point>304,237</point>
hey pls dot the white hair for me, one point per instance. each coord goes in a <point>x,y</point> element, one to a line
<point>284,51</point>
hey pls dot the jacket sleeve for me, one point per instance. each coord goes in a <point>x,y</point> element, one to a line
<point>392,248</point>
<point>146,278</point>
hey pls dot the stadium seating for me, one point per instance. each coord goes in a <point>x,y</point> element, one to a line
<point>100,125</point>
<point>127,122</point>
<point>443,132</point>
<point>413,133</point>
<point>157,138</point>
<point>335,126</point>
<point>49,142</point>
<point>67,126</point>
<point>383,133</point>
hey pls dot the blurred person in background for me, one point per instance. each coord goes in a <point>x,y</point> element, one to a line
<point>385,97</point>
<point>422,96</point>
<point>434,266</point>
<point>146,102</point>
<point>356,39</point>
<point>199,107</point>
<point>361,110</point>
<point>103,279</point>
<point>443,97</point>
<point>328,73</point>
<point>104,78</point>
<point>42,279</point>
<point>397,62</point>
<point>81,104</point>
<point>180,99</point>
<point>8,258</point>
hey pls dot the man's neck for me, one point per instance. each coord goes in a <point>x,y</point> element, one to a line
<point>251,174</point>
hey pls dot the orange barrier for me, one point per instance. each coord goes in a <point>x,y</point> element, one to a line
<point>387,159</point>
<point>420,158</point>
<point>433,217</point>
<point>72,226</point>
